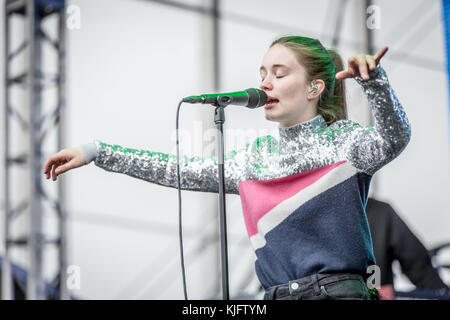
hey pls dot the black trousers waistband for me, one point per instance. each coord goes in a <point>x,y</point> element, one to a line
<point>309,285</point>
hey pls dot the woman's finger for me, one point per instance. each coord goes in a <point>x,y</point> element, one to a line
<point>362,65</point>
<point>343,75</point>
<point>52,160</point>
<point>48,173</point>
<point>371,62</point>
<point>55,165</point>
<point>48,164</point>
<point>349,73</point>
<point>380,54</point>
<point>64,167</point>
<point>353,66</point>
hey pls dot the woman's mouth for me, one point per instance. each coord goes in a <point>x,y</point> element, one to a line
<point>271,102</point>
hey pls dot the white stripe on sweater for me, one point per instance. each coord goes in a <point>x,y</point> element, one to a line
<point>276,215</point>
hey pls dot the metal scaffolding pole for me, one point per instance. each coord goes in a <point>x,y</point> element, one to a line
<point>61,209</point>
<point>33,81</point>
<point>7,287</point>
<point>35,280</point>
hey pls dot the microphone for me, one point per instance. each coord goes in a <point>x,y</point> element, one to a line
<point>250,98</point>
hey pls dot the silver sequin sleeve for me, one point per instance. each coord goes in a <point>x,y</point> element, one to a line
<point>370,148</point>
<point>367,148</point>
<point>197,174</point>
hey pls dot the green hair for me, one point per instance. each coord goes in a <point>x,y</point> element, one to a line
<point>323,64</point>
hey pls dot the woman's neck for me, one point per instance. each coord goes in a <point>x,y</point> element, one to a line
<point>298,135</point>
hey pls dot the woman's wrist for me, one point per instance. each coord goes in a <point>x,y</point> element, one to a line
<point>89,151</point>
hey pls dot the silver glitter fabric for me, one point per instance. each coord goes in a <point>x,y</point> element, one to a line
<point>305,146</point>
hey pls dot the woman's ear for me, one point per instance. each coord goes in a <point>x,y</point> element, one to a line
<point>316,88</point>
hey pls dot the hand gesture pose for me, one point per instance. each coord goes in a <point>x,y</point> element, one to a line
<point>357,65</point>
<point>63,161</point>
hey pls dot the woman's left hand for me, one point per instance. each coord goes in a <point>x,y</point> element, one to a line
<point>357,65</point>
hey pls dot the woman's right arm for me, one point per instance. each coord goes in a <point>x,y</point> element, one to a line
<point>197,174</point>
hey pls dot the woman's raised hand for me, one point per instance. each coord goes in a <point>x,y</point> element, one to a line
<point>63,161</point>
<point>359,65</point>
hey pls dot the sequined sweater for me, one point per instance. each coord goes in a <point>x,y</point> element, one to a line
<point>303,196</point>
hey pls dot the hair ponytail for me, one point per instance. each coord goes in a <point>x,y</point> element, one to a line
<point>335,107</point>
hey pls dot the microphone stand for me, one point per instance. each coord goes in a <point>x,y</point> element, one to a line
<point>219,119</point>
<point>251,98</point>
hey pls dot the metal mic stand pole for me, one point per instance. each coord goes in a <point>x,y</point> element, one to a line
<point>219,119</point>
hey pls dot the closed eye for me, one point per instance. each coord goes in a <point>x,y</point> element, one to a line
<point>276,76</point>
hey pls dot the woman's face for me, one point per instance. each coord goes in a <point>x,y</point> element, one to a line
<point>284,80</point>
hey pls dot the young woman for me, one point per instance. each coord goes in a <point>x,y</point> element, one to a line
<point>304,196</point>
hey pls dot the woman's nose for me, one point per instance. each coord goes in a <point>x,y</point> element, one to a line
<point>266,84</point>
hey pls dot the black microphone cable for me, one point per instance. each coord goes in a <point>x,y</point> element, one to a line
<point>180,220</point>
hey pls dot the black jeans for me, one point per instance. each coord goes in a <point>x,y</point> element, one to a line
<point>338,286</point>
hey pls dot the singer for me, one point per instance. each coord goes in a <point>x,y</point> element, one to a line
<point>304,196</point>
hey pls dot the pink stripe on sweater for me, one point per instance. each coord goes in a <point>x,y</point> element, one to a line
<point>260,196</point>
